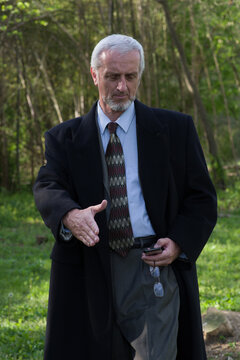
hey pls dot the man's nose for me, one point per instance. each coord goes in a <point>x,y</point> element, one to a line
<point>122,84</point>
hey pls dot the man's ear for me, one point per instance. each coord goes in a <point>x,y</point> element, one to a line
<point>94,76</point>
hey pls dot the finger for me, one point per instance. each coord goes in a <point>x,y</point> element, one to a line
<point>98,208</point>
<point>91,236</point>
<point>88,233</point>
<point>159,259</point>
<point>154,256</point>
<point>88,241</point>
<point>91,228</point>
<point>161,242</point>
<point>88,224</point>
<point>83,240</point>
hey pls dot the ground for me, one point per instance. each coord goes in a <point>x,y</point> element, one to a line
<point>224,347</point>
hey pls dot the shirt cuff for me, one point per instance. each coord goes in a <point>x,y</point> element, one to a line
<point>183,257</point>
<point>65,233</point>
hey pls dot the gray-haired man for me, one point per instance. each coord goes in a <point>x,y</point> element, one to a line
<point>120,180</point>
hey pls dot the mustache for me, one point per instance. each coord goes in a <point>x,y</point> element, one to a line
<point>120,93</point>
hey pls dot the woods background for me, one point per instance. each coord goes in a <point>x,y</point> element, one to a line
<point>192,51</point>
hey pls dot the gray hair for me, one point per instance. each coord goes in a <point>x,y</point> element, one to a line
<point>120,43</point>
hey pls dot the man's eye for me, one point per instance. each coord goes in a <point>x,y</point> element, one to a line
<point>130,76</point>
<point>112,77</point>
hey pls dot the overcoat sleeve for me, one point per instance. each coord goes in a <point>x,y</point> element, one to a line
<point>52,190</point>
<point>197,212</point>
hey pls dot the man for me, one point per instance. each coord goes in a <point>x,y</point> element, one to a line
<point>109,193</point>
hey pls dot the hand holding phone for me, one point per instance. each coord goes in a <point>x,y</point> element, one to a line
<point>153,251</point>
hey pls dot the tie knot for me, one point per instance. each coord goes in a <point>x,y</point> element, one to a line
<point>112,127</point>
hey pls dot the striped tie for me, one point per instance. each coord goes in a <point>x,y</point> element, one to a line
<point>120,230</point>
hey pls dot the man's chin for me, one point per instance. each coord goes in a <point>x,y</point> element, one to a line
<point>118,107</point>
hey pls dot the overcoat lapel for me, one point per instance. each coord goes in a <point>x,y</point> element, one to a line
<point>88,176</point>
<point>86,153</point>
<point>154,168</point>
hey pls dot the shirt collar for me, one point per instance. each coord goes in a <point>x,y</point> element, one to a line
<point>124,120</point>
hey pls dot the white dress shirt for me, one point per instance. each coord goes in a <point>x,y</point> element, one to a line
<point>126,132</point>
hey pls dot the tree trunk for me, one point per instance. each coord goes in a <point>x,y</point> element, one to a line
<point>4,163</point>
<point>194,56</point>
<point>133,20</point>
<point>236,74</point>
<point>34,126</point>
<point>49,87</point>
<point>110,16</point>
<point>17,180</point>
<point>218,172</point>
<point>4,166</point>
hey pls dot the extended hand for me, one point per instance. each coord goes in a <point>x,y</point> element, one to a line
<point>82,223</point>
<point>170,253</point>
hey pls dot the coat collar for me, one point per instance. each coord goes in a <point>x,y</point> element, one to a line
<point>148,120</point>
<point>87,153</point>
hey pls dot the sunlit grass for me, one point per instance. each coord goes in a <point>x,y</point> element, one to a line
<point>25,270</point>
<point>219,264</point>
<point>24,280</point>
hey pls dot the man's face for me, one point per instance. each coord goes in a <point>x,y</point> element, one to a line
<point>117,80</point>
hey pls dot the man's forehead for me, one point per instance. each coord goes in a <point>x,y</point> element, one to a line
<point>114,60</point>
<point>112,55</point>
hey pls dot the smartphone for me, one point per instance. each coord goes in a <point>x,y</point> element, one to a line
<point>153,251</point>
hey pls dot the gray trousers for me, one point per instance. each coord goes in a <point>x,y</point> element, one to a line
<point>148,323</point>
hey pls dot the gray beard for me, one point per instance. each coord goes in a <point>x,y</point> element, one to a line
<point>118,107</point>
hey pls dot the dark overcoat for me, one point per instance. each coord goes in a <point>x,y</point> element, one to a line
<point>181,204</point>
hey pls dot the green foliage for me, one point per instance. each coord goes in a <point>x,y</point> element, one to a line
<point>62,35</point>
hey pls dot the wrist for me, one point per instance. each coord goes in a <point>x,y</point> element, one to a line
<point>66,220</point>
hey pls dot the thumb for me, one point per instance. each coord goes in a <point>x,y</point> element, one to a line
<point>98,208</point>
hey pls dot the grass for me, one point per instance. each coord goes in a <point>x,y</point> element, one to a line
<point>25,268</point>
<point>24,280</point>
<point>219,265</point>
